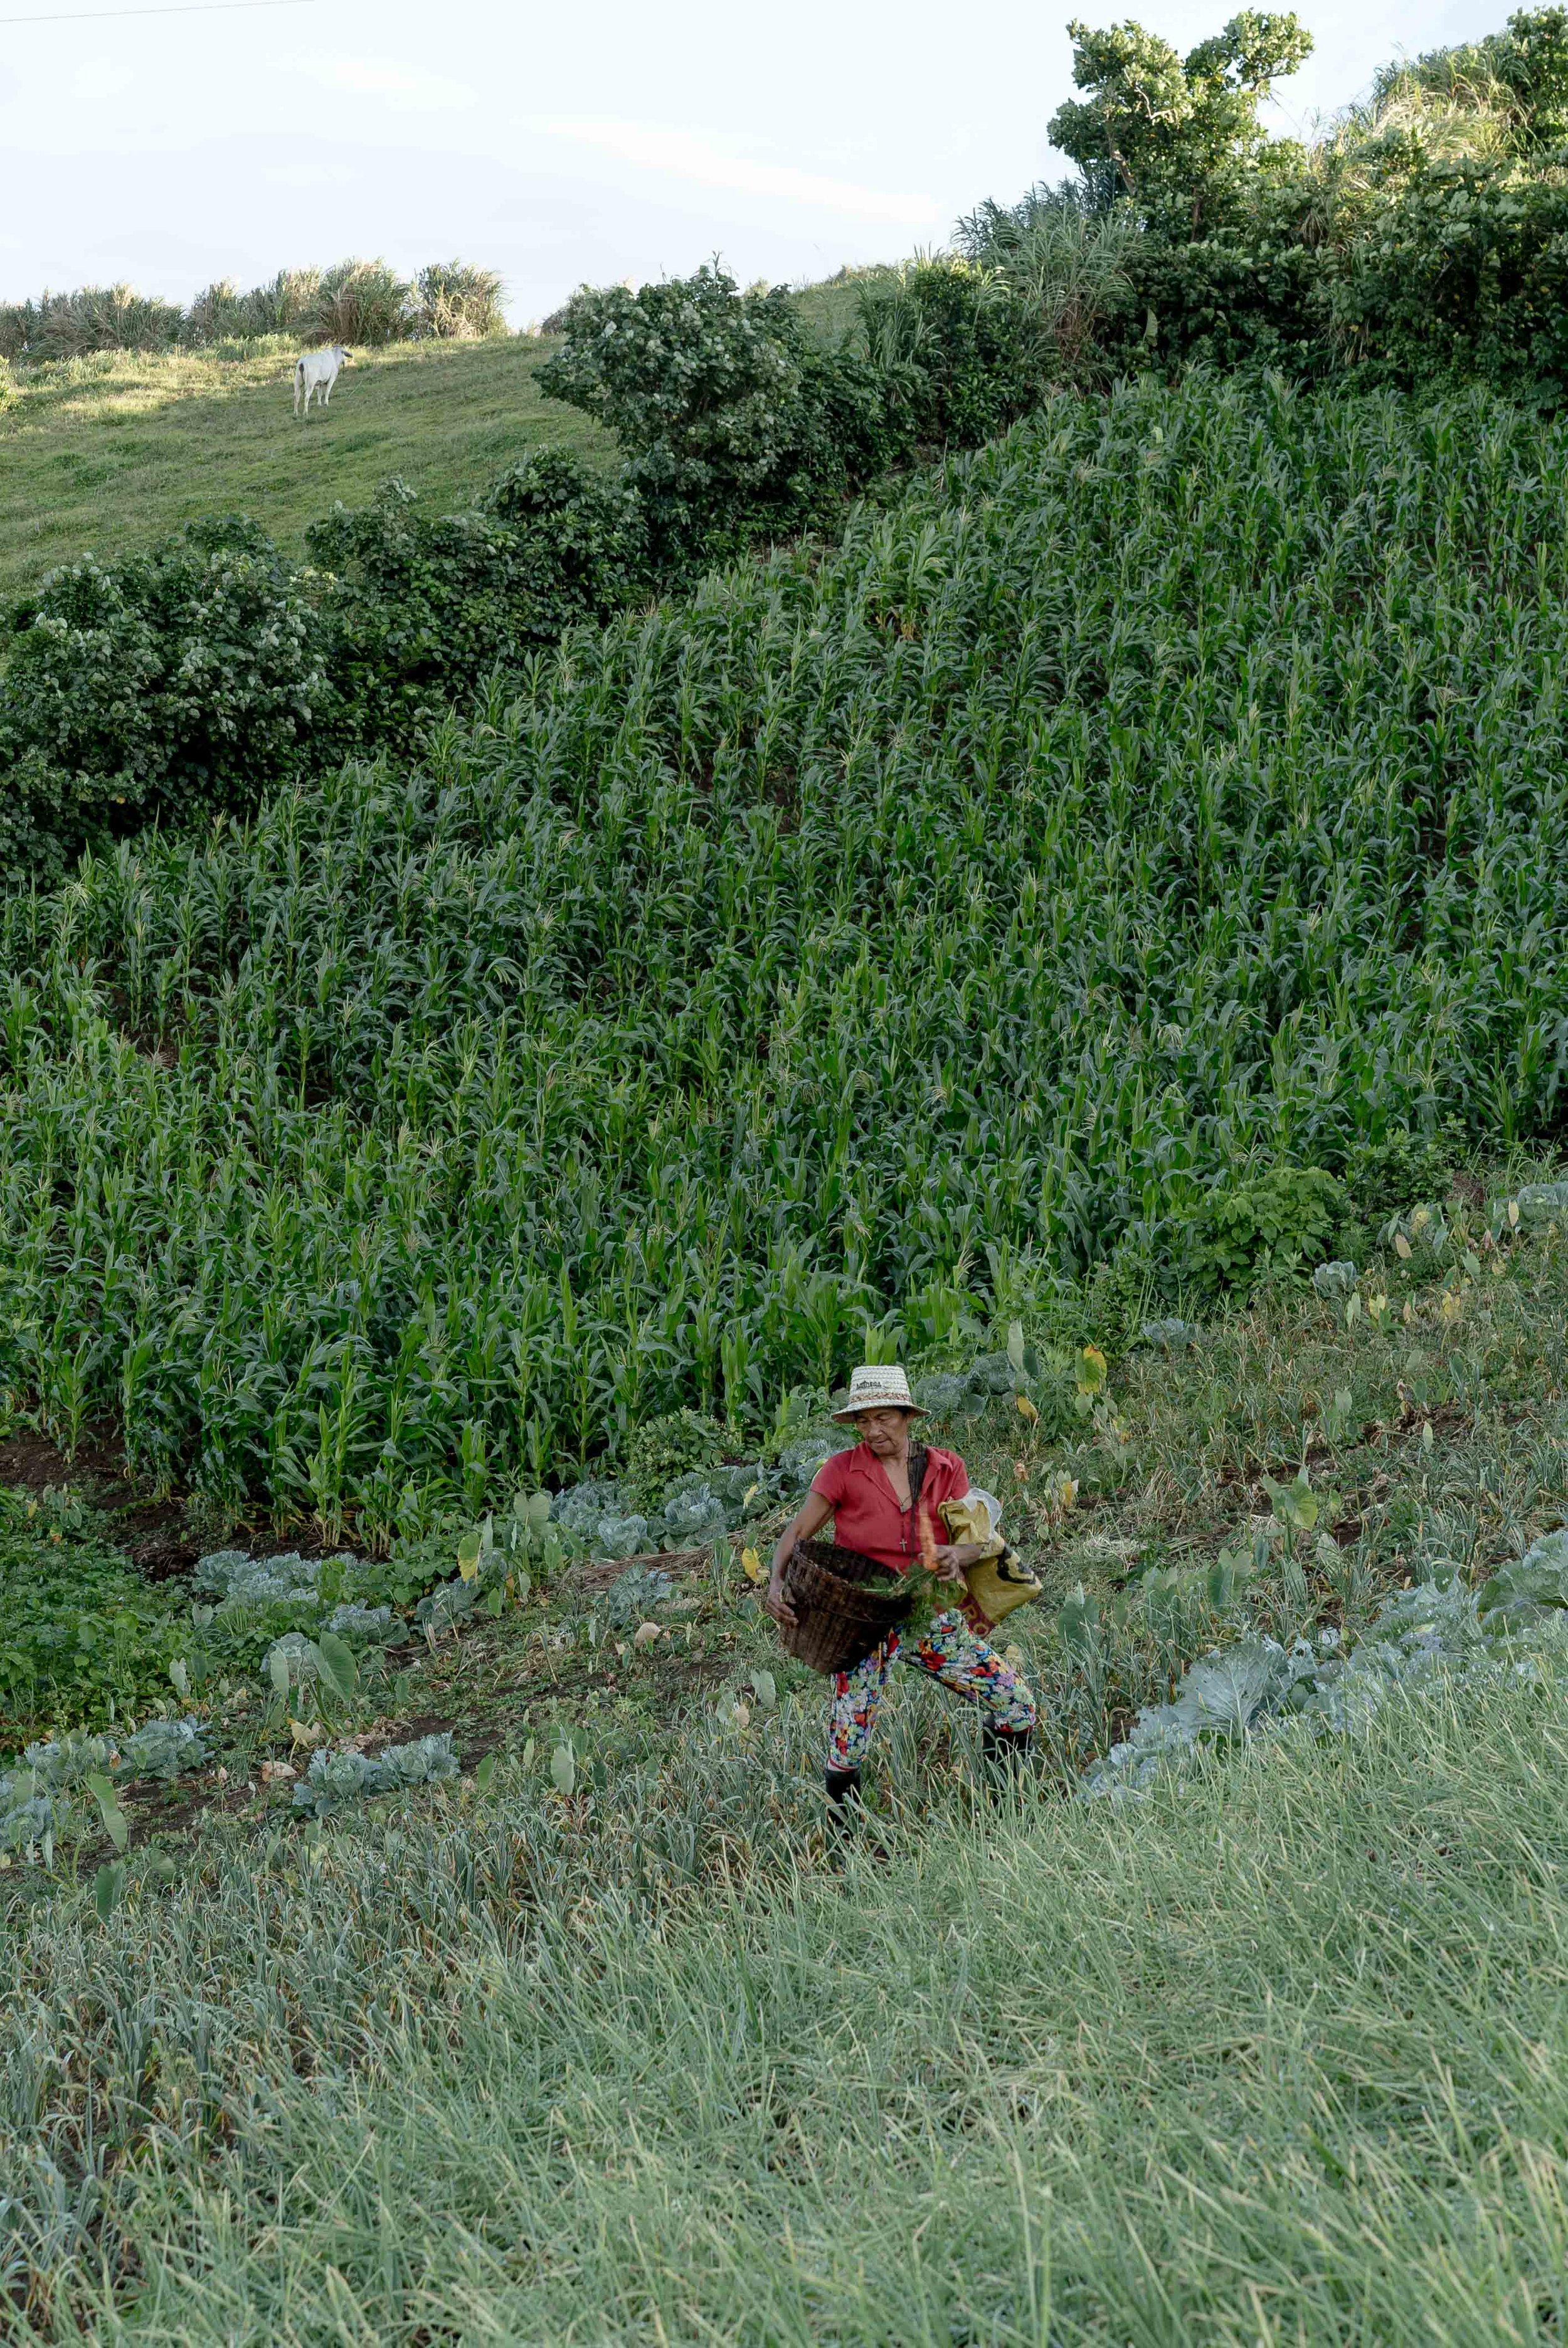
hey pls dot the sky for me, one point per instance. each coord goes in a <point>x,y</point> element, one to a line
<point>560,147</point>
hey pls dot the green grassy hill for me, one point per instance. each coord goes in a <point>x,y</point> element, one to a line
<point>106,455</point>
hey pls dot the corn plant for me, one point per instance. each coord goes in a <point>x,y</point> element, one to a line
<point>1172,790</point>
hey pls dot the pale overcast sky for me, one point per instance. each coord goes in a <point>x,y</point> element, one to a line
<point>560,145</point>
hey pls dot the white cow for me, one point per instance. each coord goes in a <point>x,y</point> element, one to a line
<point>316,371</point>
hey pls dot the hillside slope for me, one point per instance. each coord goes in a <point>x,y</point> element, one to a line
<point>1179,783</point>
<point>622,2052</point>
<point>106,454</point>
<point>109,454</point>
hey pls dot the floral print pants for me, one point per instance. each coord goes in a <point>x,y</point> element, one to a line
<point>952,1653</point>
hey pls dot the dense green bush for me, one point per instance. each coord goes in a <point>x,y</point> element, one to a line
<point>1462,270</point>
<point>1272,1226</point>
<point>85,1635</point>
<point>1401,1169</point>
<point>1420,240</point>
<point>736,425</point>
<point>955,349</point>
<point>412,609</point>
<point>176,683</point>
<point>189,679</point>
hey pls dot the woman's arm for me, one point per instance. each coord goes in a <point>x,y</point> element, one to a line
<point>809,1518</point>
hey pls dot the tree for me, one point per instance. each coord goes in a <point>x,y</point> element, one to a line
<point>1183,134</point>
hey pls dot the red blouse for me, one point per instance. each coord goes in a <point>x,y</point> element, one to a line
<point>865,1511</point>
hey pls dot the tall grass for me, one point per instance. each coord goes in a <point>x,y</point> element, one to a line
<point>1177,784</point>
<point>93,318</point>
<point>458,302</point>
<point>1270,2058</point>
<point>354,301</point>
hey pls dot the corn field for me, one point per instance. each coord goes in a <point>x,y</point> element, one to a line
<point>1179,783</point>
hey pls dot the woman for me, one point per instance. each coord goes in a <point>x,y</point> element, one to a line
<point>867,1491</point>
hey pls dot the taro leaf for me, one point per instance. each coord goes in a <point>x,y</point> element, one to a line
<point>1015,1345</point>
<point>108,1886</point>
<point>765,1687</point>
<point>1078,1621</point>
<point>278,1669</point>
<point>494,1599</point>
<point>538,1511</point>
<point>1226,1577</point>
<point>484,1772</point>
<point>1295,1504</point>
<point>335,1666</point>
<point>474,1547</point>
<point>180,1677</point>
<point>563,1768</point>
<point>116,1824</point>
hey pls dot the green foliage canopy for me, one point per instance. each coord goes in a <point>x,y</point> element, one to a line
<point>182,682</point>
<point>1183,134</point>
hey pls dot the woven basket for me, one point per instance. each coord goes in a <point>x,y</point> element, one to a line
<point>846,1604</point>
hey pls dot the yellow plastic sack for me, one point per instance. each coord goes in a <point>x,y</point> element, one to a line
<point>1000,1580</point>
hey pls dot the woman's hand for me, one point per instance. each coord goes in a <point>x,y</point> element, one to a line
<point>952,1557</point>
<point>808,1519</point>
<point>775,1603</point>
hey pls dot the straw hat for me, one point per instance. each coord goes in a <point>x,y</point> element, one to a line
<point>879,1385</point>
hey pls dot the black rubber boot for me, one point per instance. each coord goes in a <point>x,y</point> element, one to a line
<point>1005,1750</point>
<point>844,1803</point>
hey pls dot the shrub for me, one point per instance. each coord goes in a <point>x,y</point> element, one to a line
<point>737,427</point>
<point>454,301</point>
<point>359,302</point>
<point>93,318</point>
<point>414,609</point>
<point>1402,1170</point>
<point>183,680</point>
<point>1461,271</point>
<point>957,351</point>
<point>666,1448</point>
<point>1276,1224</point>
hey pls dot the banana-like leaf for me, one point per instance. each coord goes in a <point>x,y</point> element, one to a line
<point>335,1666</point>
<point>117,1825</point>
